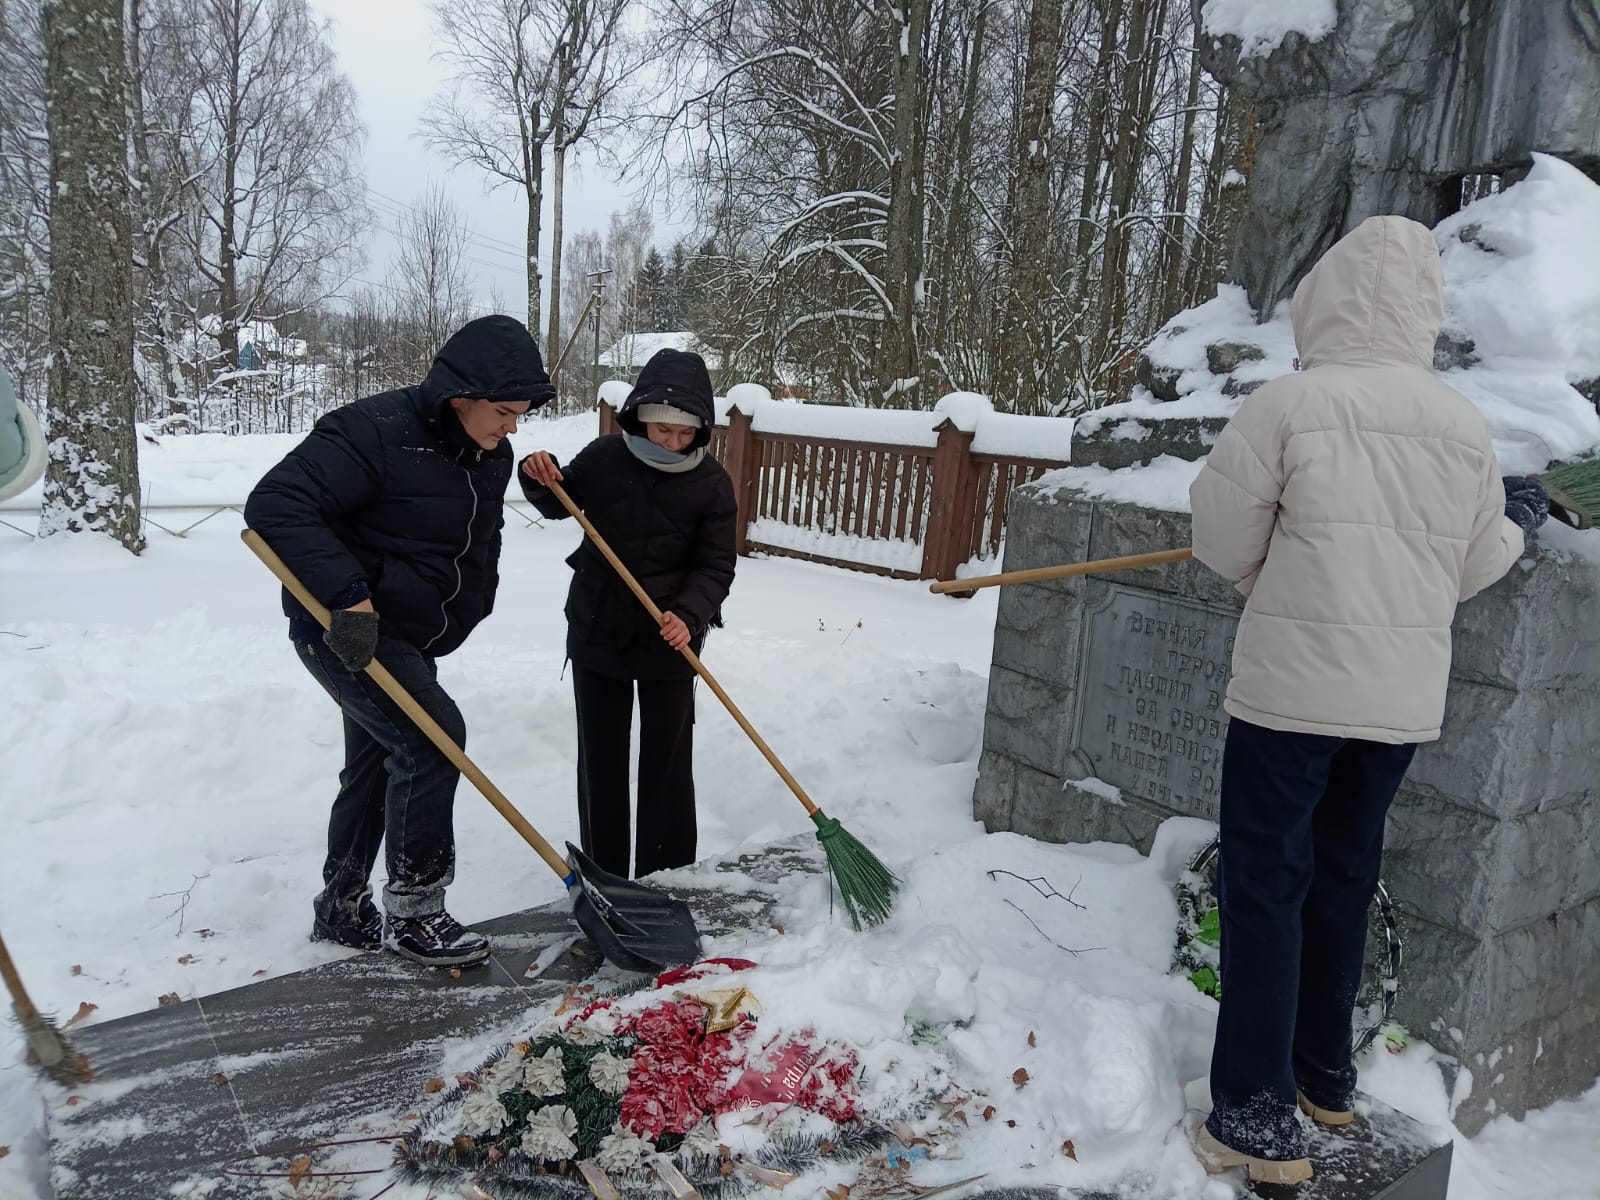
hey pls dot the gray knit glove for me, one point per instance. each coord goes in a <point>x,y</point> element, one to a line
<point>353,636</point>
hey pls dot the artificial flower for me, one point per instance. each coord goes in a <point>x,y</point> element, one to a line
<point>550,1132</point>
<point>482,1112</point>
<point>620,1151</point>
<point>610,1073</point>
<point>546,1075</point>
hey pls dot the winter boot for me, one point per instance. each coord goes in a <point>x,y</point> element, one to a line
<point>356,924</point>
<point>1325,1116</point>
<point>436,940</point>
<point>1217,1157</point>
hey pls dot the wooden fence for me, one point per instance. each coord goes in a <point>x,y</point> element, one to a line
<point>911,512</point>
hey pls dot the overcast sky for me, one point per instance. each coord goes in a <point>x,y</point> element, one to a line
<point>385,47</point>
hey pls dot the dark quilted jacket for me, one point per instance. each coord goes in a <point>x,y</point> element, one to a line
<point>389,495</point>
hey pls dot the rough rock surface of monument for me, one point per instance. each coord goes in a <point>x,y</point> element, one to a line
<point>1389,111</point>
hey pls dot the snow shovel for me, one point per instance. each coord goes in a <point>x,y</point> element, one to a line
<point>636,927</point>
<point>1131,562</point>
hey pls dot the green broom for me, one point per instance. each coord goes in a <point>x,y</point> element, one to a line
<point>866,886</point>
<point>1574,491</point>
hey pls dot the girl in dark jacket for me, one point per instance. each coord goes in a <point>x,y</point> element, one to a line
<point>667,510</point>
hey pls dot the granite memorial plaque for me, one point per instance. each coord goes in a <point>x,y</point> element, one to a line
<point>1152,675</point>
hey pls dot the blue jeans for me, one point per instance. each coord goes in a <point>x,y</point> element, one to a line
<point>395,788</point>
<point>1302,841</point>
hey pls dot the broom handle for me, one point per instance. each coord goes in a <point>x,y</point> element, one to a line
<point>694,659</point>
<point>415,711</point>
<point>19,994</point>
<point>1129,562</point>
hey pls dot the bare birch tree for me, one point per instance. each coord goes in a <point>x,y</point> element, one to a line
<point>432,290</point>
<point>92,482</point>
<point>528,75</point>
<point>260,136</point>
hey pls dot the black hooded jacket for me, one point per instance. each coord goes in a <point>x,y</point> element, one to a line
<point>674,531</point>
<point>388,497</point>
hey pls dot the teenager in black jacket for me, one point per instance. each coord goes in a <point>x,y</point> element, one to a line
<point>390,513</point>
<point>668,511</point>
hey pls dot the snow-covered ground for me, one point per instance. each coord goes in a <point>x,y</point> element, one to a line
<point>167,767</point>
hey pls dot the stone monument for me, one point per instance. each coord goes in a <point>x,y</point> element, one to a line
<point>1392,109</point>
<point>1105,718</point>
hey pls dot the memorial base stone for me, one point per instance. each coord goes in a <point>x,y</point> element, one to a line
<point>1105,719</point>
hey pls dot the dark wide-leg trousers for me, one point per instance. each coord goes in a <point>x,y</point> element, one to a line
<point>666,817</point>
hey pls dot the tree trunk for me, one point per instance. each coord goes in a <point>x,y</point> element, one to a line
<point>1132,122</point>
<point>1094,148</point>
<point>1022,364</point>
<point>899,369</point>
<point>533,162</point>
<point>153,304</point>
<point>227,264</point>
<point>559,155</point>
<point>93,475</point>
<point>1178,240</point>
<point>958,207</point>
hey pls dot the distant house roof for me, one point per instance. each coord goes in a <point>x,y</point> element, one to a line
<point>634,349</point>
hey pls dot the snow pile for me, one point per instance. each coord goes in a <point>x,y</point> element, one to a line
<point>1522,284</point>
<point>140,691</point>
<point>1261,25</point>
<point>1521,288</point>
<point>1179,355</point>
<point>964,409</point>
<point>1163,483</point>
<point>614,392</point>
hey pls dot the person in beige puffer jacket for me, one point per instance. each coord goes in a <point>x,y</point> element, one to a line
<point>1355,503</point>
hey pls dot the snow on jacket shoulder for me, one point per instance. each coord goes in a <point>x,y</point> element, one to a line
<point>1355,504</point>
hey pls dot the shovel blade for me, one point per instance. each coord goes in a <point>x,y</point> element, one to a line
<point>636,927</point>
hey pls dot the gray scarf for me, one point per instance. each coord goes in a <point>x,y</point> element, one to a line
<point>659,457</point>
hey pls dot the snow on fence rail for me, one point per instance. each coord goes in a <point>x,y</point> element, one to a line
<point>914,495</point>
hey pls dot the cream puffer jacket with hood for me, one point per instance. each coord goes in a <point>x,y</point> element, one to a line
<point>1355,503</point>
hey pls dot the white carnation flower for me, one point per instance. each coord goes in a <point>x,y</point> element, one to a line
<point>550,1132</point>
<point>504,1075</point>
<point>610,1073</point>
<point>546,1075</point>
<point>482,1112</point>
<point>620,1150</point>
<point>581,1033</point>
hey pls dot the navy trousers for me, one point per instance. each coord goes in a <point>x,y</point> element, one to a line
<point>1302,840</point>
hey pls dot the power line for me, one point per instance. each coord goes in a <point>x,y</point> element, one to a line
<point>487,242</point>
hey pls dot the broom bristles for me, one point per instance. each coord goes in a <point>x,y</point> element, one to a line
<point>866,886</point>
<point>49,1050</point>
<point>1575,485</point>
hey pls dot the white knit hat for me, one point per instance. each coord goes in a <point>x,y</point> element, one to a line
<point>666,414</point>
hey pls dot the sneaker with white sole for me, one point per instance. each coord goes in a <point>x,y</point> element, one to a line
<point>1216,1157</point>
<point>436,940</point>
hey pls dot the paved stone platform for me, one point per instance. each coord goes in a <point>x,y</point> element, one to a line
<point>183,1092</point>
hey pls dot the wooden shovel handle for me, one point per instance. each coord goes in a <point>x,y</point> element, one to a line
<point>694,659</point>
<point>391,686</point>
<point>1131,562</point>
